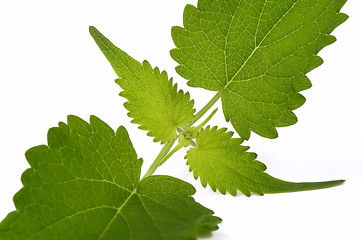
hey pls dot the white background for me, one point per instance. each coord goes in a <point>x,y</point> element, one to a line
<point>50,67</point>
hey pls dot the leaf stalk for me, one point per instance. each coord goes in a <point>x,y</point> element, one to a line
<point>206,108</point>
<point>157,161</point>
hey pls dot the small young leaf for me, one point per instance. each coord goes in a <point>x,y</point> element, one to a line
<point>153,101</point>
<point>86,185</point>
<point>256,53</point>
<point>221,162</point>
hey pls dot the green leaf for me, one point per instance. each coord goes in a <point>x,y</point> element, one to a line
<point>153,101</point>
<point>86,185</point>
<point>256,53</point>
<point>221,162</point>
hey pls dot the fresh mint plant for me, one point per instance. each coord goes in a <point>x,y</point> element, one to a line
<point>86,183</point>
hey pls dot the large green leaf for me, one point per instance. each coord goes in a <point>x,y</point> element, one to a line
<point>86,185</point>
<point>221,162</point>
<point>256,53</point>
<point>153,100</point>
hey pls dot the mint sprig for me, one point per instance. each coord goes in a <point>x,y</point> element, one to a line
<point>85,184</point>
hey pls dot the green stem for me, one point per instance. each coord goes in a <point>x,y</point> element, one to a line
<point>156,163</point>
<point>205,108</point>
<point>205,121</point>
<point>183,142</point>
<point>163,154</point>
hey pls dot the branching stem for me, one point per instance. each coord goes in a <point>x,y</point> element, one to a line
<point>206,108</point>
<point>157,161</point>
<point>164,153</point>
<point>200,126</point>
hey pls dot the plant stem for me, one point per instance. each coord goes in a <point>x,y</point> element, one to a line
<point>205,108</point>
<point>156,163</point>
<point>183,142</point>
<point>166,148</point>
<point>205,121</point>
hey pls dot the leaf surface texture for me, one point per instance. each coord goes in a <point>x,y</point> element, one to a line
<point>86,185</point>
<point>257,54</point>
<point>222,163</point>
<point>153,101</point>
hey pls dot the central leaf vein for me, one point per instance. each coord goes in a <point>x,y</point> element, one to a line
<point>118,212</point>
<point>260,43</point>
<point>148,93</point>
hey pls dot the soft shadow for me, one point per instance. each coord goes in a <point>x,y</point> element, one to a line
<point>215,236</point>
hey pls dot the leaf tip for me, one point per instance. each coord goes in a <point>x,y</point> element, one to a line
<point>339,182</point>
<point>93,31</point>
